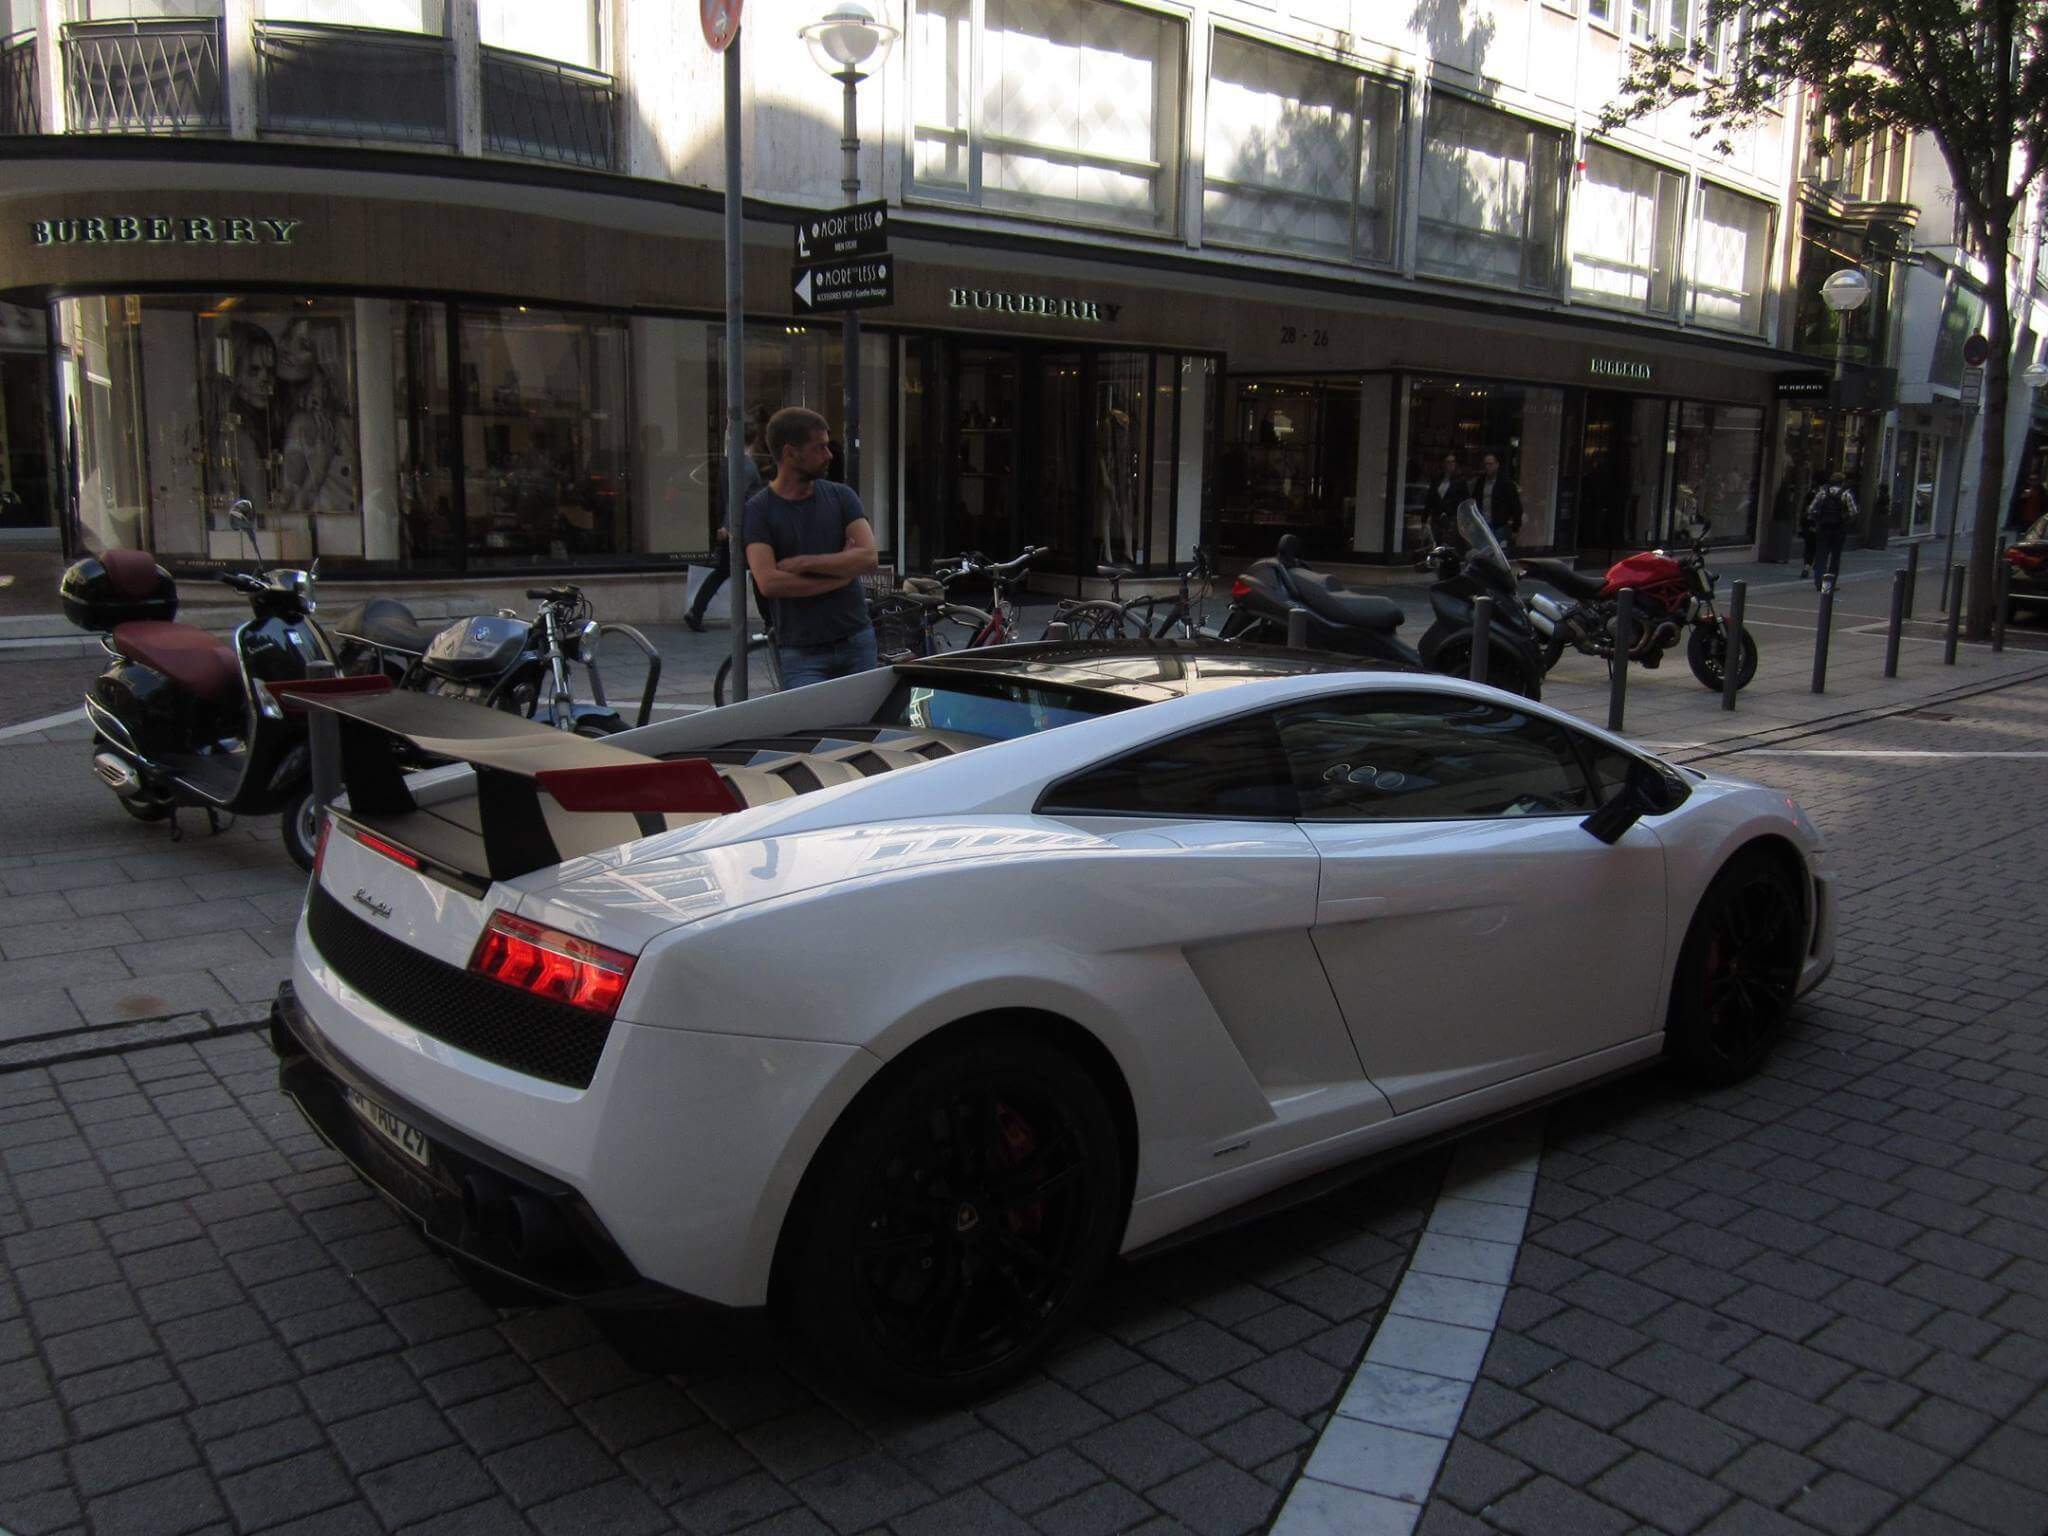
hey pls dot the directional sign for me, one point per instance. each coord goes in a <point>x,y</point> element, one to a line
<point>861,229</point>
<point>860,283</point>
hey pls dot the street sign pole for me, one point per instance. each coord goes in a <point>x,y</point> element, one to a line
<point>735,350</point>
<point>849,347</point>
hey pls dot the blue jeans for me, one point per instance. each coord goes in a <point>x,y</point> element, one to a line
<point>803,665</point>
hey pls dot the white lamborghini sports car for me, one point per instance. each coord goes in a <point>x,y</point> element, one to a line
<point>906,1002</point>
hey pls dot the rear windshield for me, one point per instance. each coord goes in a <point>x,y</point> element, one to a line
<point>988,707</point>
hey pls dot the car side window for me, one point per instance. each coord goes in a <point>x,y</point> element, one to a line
<point>1429,757</point>
<point>1608,765</point>
<point>1224,772</point>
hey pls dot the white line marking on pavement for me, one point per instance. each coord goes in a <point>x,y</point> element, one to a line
<point>48,722</point>
<point>1377,1459</point>
<point>1906,752</point>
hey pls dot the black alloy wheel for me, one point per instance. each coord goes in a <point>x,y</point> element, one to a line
<point>961,1216</point>
<point>1738,971</point>
<point>1706,652</point>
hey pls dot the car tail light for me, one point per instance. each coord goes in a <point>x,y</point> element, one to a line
<point>2026,559</point>
<point>552,964</point>
<point>320,844</point>
<point>1240,588</point>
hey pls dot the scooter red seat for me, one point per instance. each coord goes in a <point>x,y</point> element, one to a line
<point>186,654</point>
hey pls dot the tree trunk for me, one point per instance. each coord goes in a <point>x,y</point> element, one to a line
<point>1990,506</point>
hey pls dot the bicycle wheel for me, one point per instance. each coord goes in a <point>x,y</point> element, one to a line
<point>1092,620</point>
<point>1150,617</point>
<point>764,673</point>
<point>956,626</point>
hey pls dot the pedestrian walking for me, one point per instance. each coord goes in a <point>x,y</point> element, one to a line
<point>1832,510</point>
<point>808,543</point>
<point>1500,502</point>
<point>721,555</point>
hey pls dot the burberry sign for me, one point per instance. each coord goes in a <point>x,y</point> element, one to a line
<point>1045,304</point>
<point>160,229</point>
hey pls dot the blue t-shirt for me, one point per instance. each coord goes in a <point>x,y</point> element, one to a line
<point>814,526</point>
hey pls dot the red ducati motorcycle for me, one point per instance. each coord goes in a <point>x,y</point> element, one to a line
<point>1674,592</point>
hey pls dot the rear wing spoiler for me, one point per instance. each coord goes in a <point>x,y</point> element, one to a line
<point>528,775</point>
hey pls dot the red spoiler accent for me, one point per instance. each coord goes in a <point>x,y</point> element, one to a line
<point>686,784</point>
<point>328,687</point>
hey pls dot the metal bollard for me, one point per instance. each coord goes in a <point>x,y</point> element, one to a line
<point>1823,632</point>
<point>1947,573</point>
<point>1617,667</point>
<point>1955,615</point>
<point>2001,577</point>
<point>1902,595</point>
<point>1731,651</point>
<point>1482,636</point>
<point>1297,629</point>
<point>1912,576</point>
<point>323,743</point>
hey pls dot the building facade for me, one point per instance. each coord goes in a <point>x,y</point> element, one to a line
<point>436,284</point>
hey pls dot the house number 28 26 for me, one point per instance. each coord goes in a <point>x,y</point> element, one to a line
<point>1294,335</point>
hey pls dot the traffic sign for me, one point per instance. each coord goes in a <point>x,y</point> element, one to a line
<point>721,19</point>
<point>1973,385</point>
<point>1977,351</point>
<point>860,229</point>
<point>862,282</point>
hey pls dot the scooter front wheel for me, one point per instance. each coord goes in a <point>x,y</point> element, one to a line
<point>301,817</point>
<point>145,810</point>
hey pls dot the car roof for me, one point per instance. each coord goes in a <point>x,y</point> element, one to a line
<point>1137,671</point>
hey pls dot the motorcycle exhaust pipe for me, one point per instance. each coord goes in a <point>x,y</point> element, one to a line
<point>118,774</point>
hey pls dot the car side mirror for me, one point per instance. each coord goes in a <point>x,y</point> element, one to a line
<point>1650,790</point>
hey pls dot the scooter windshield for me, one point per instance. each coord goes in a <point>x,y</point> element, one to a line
<point>1485,548</point>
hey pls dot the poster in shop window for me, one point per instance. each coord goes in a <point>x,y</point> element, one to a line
<point>277,394</point>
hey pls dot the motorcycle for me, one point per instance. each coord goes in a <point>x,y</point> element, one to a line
<point>182,718</point>
<point>500,660</point>
<point>1674,592</point>
<point>1356,624</point>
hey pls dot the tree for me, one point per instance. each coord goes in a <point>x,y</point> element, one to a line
<point>1972,74</point>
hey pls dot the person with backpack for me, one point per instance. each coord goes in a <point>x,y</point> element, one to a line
<point>1832,510</point>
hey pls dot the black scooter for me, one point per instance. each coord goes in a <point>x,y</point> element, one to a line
<point>1356,624</point>
<point>183,719</point>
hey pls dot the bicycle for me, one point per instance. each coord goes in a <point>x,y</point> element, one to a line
<point>1142,618</point>
<point>1000,624</point>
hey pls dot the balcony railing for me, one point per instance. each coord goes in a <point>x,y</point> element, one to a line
<point>20,110</point>
<point>549,110</point>
<point>355,83</point>
<point>143,76</point>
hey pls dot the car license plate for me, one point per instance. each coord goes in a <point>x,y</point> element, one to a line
<point>390,1127</point>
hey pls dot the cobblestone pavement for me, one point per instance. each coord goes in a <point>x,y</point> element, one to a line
<point>1819,1300</point>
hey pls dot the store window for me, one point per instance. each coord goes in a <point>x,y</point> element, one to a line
<point>1916,483</point>
<point>678,462</point>
<point>1520,425</point>
<point>1731,260</point>
<point>1077,114</point>
<point>566,30</point>
<point>310,409</point>
<point>1962,316</point>
<point>1715,453</point>
<point>1289,465</point>
<point>547,421</point>
<point>1626,214</point>
<point>1491,197</point>
<point>1302,155</point>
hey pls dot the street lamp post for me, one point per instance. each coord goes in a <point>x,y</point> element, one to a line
<point>1844,292</point>
<point>849,44</point>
